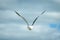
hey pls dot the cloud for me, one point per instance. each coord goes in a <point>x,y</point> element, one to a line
<point>44,32</point>
<point>13,27</point>
<point>10,16</point>
<point>17,31</point>
<point>50,5</point>
<point>8,4</point>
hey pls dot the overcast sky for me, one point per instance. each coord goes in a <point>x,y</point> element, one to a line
<point>47,27</point>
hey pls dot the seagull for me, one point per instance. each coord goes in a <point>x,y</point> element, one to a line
<point>28,26</point>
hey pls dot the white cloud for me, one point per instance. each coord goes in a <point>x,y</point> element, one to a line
<point>8,15</point>
<point>48,17</point>
<point>8,4</point>
<point>53,14</point>
<point>17,31</point>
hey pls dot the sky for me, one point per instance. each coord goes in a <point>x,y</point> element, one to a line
<point>13,27</point>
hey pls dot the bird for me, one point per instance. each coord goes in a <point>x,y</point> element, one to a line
<point>28,26</point>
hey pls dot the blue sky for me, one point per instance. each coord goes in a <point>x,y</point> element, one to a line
<point>47,27</point>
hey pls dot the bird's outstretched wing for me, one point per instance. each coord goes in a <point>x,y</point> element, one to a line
<point>38,17</point>
<point>35,20</point>
<point>22,18</point>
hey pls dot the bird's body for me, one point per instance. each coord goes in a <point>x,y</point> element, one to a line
<point>30,27</point>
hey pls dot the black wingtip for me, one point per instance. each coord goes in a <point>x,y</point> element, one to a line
<point>15,11</point>
<point>43,12</point>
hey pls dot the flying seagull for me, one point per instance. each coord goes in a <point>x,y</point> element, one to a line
<point>28,26</point>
